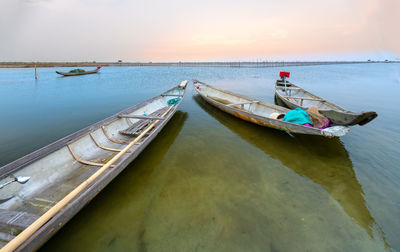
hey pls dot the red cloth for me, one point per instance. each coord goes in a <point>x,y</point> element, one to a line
<point>282,73</point>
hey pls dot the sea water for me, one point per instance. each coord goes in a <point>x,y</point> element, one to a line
<point>212,182</point>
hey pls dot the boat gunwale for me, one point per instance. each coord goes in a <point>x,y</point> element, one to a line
<point>30,158</point>
<point>294,128</point>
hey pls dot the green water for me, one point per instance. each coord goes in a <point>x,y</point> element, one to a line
<point>211,182</point>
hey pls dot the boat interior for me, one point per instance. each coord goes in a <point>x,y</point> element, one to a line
<point>303,98</point>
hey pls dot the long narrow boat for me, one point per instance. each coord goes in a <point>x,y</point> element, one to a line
<point>258,112</point>
<point>41,191</point>
<point>292,96</point>
<point>82,72</point>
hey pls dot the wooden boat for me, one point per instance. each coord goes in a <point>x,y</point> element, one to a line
<point>83,72</point>
<point>258,112</point>
<point>41,191</point>
<point>293,96</point>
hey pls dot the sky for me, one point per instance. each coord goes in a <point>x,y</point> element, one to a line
<point>205,30</point>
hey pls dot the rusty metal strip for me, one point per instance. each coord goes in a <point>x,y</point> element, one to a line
<point>104,147</point>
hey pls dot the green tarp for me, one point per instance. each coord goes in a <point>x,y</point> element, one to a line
<point>78,70</point>
<point>298,115</point>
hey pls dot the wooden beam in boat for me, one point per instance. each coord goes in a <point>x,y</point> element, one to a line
<point>304,98</point>
<point>104,147</point>
<point>242,103</point>
<point>110,138</point>
<point>141,117</point>
<point>289,88</point>
<point>81,160</point>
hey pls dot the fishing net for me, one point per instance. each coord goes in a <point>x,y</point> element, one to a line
<point>173,102</point>
<point>319,120</point>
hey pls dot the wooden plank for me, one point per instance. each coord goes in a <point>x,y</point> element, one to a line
<point>137,127</point>
<point>14,219</point>
<point>304,98</point>
<point>141,117</point>
<point>242,103</point>
<point>289,88</point>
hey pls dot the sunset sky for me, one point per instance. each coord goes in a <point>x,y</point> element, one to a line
<point>177,30</point>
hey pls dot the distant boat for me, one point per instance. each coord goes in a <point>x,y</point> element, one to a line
<point>292,96</point>
<point>79,71</point>
<point>42,191</point>
<point>259,112</point>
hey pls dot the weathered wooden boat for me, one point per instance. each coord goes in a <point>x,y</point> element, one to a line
<point>292,96</point>
<point>41,191</point>
<point>258,112</point>
<point>79,72</point>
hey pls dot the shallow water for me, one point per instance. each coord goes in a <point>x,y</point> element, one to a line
<point>210,181</point>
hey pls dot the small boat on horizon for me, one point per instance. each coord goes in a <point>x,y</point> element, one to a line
<point>79,71</point>
<point>42,191</point>
<point>292,96</point>
<point>259,112</point>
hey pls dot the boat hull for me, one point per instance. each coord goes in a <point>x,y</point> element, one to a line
<point>76,74</point>
<point>259,119</point>
<point>336,114</point>
<point>66,213</point>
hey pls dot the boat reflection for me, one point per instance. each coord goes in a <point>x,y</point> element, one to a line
<point>126,192</point>
<point>154,153</point>
<point>325,161</point>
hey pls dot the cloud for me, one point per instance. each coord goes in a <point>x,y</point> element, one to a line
<point>74,30</point>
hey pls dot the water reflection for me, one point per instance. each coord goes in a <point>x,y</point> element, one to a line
<point>121,200</point>
<point>325,161</point>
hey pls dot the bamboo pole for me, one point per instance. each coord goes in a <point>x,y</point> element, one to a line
<point>24,235</point>
<point>35,73</point>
